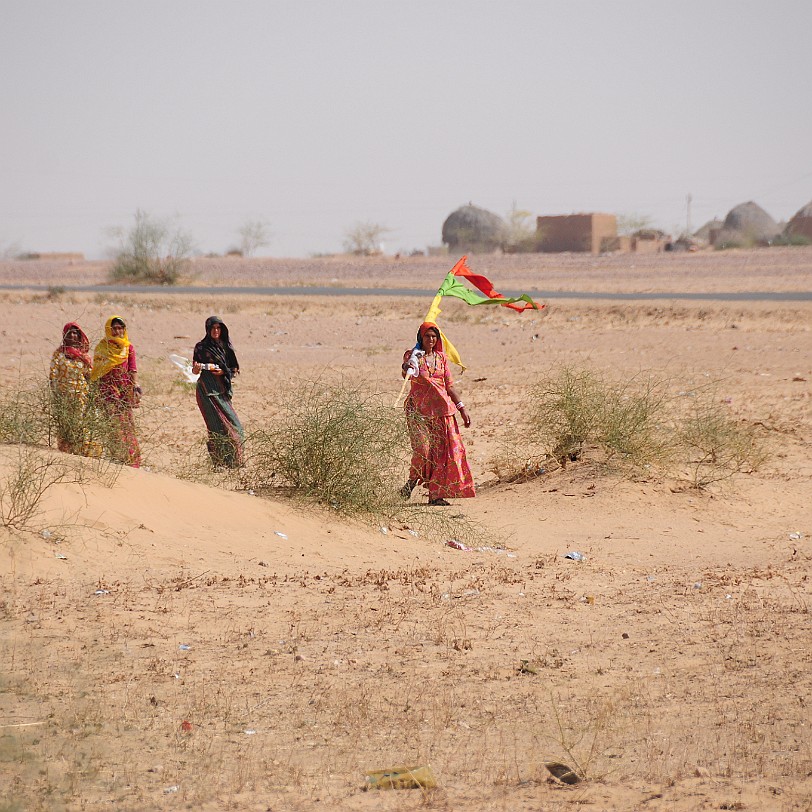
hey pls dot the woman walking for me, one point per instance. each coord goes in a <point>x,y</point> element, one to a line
<point>438,453</point>
<point>115,374</point>
<point>69,379</point>
<point>214,358</point>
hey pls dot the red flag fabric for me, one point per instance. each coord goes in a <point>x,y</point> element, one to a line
<point>484,284</point>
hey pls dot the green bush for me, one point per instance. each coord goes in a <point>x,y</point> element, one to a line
<point>792,240</point>
<point>575,407</point>
<point>634,422</point>
<point>24,415</point>
<point>333,444</point>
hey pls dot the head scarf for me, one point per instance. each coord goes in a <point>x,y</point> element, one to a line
<point>221,352</point>
<point>111,351</point>
<point>82,351</point>
<point>424,327</point>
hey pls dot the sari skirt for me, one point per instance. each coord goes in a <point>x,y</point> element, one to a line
<point>226,436</point>
<point>115,401</point>
<point>438,456</point>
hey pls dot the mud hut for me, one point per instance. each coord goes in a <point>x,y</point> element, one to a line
<point>745,225</point>
<point>472,230</point>
<point>705,233</point>
<point>800,226</point>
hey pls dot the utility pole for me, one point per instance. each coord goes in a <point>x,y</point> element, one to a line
<point>688,219</point>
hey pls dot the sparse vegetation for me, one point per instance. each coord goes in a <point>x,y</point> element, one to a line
<point>364,239</point>
<point>334,444</point>
<point>792,240</point>
<point>716,446</point>
<point>630,223</point>
<point>153,252</point>
<point>32,473</point>
<point>657,668</point>
<point>521,231</point>
<point>253,234</point>
<point>348,450</point>
<point>635,423</point>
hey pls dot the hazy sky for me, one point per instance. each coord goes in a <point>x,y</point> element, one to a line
<point>317,114</point>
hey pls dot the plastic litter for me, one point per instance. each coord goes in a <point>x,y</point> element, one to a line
<point>698,585</point>
<point>184,647</point>
<point>171,789</point>
<point>456,544</point>
<point>250,732</point>
<point>574,555</point>
<point>102,592</point>
<point>46,534</point>
<point>280,534</point>
<point>793,536</point>
<point>185,367</point>
<point>61,556</point>
<point>412,532</point>
<point>384,530</point>
<point>401,778</point>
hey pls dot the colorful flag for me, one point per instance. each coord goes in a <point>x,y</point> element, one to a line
<point>452,286</point>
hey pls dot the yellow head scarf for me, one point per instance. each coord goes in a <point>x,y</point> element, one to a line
<point>110,352</point>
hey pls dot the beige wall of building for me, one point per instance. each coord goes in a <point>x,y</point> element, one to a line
<point>575,232</point>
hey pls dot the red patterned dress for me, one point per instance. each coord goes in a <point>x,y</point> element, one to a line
<point>117,400</point>
<point>438,453</point>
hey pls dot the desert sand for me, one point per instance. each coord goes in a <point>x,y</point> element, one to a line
<point>170,642</point>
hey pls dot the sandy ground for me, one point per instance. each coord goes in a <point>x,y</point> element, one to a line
<point>224,665</point>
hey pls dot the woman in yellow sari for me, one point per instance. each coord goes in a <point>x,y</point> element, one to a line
<point>116,377</point>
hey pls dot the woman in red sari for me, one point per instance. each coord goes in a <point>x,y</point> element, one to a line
<point>116,375</point>
<point>438,453</point>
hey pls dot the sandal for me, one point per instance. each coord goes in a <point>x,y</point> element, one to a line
<point>439,503</point>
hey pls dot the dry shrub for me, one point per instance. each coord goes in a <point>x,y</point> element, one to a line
<point>153,252</point>
<point>715,445</point>
<point>347,449</point>
<point>518,457</point>
<point>334,444</point>
<point>30,420</point>
<point>634,423</point>
<point>574,407</point>
<point>24,414</point>
<point>31,473</point>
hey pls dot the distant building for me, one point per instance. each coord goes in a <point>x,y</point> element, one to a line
<point>745,225</point>
<point>73,256</point>
<point>801,224</point>
<point>590,233</point>
<point>472,230</point>
<point>649,241</point>
<point>709,229</point>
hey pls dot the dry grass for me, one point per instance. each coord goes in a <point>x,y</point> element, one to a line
<point>664,696</point>
<point>389,666</point>
<point>634,425</point>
